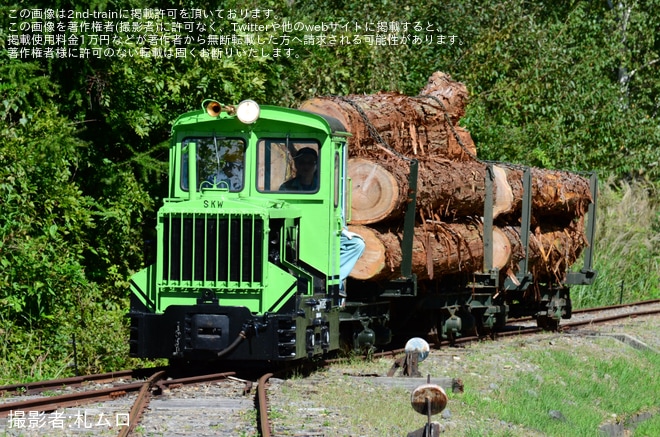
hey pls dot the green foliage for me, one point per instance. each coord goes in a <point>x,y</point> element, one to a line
<point>45,216</point>
<point>546,92</point>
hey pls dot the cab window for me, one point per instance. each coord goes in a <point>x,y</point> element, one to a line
<point>288,165</point>
<point>220,163</point>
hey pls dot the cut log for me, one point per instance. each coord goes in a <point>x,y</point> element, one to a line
<point>451,94</point>
<point>448,248</point>
<point>375,192</point>
<point>560,194</point>
<point>372,261</point>
<point>552,249</point>
<point>411,126</point>
<point>444,188</point>
<point>443,249</point>
<point>454,189</point>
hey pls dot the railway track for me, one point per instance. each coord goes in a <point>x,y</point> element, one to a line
<point>137,387</point>
<point>43,415</point>
<point>580,318</point>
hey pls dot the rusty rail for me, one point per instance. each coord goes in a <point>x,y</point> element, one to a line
<point>53,403</point>
<point>75,381</point>
<point>262,406</point>
<point>140,403</point>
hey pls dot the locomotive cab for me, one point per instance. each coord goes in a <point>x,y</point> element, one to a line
<point>248,239</point>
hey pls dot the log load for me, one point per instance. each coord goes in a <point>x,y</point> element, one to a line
<point>450,248</point>
<point>390,129</point>
<point>450,189</point>
<point>413,126</point>
<point>441,249</point>
<point>444,188</point>
<point>552,249</point>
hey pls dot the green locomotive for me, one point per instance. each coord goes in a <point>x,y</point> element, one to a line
<point>248,255</point>
<point>247,269</point>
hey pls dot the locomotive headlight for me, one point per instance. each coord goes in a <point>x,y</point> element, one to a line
<point>248,111</point>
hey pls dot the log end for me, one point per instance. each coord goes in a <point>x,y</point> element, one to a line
<point>374,191</point>
<point>327,107</point>
<point>502,249</point>
<point>372,261</point>
<point>503,193</point>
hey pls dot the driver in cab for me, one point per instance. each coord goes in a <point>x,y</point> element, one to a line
<point>306,175</point>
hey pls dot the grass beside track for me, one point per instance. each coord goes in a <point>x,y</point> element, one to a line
<point>548,385</point>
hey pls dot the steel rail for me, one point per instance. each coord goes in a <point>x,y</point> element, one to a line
<point>525,330</point>
<point>569,325</point>
<point>262,405</point>
<point>74,381</point>
<point>613,307</point>
<point>200,379</point>
<point>610,318</point>
<point>140,403</point>
<point>596,309</point>
<point>52,403</point>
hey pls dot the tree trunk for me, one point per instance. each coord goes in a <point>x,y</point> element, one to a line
<point>452,95</point>
<point>559,194</point>
<point>425,125</point>
<point>552,249</point>
<point>454,189</point>
<point>437,250</point>
<point>442,249</point>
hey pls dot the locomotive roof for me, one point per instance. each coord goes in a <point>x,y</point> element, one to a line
<point>274,114</point>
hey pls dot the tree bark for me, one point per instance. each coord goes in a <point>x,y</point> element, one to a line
<point>424,125</point>
<point>552,248</point>
<point>452,95</point>
<point>438,249</point>
<point>455,189</point>
<point>442,249</point>
<point>558,194</point>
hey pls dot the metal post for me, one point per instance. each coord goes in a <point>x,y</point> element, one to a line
<point>525,223</point>
<point>591,223</point>
<point>587,275</point>
<point>409,222</point>
<point>488,219</point>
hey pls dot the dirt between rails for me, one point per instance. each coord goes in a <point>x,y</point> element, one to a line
<point>314,405</point>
